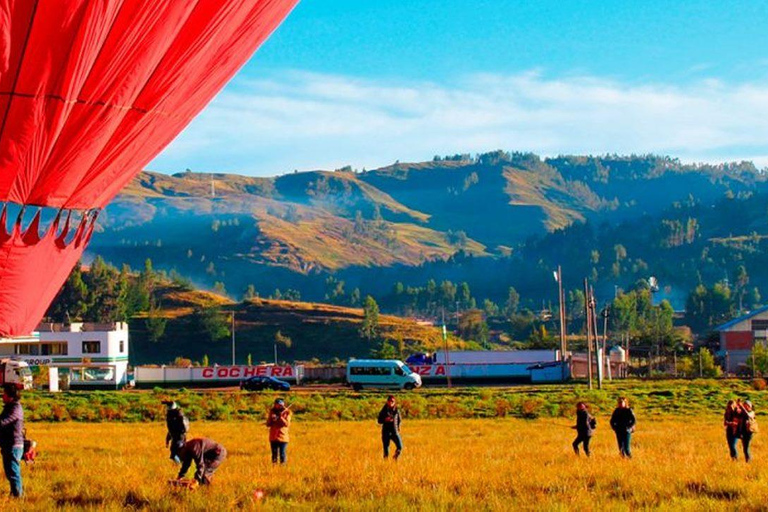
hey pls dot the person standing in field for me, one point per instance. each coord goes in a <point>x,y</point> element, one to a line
<point>279,421</point>
<point>585,427</point>
<point>12,437</point>
<point>389,419</point>
<point>623,423</point>
<point>747,427</point>
<point>731,424</point>
<point>207,455</point>
<point>178,426</point>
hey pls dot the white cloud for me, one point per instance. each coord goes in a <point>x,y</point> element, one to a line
<point>307,121</point>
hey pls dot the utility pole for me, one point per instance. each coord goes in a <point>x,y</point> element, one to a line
<point>561,298</point>
<point>588,319</point>
<point>598,352</point>
<point>445,347</point>
<point>233,337</point>
<point>606,313</point>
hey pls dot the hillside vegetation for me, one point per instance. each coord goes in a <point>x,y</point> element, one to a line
<point>320,332</point>
<point>493,221</point>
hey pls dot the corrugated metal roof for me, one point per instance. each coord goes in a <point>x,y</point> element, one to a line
<point>735,321</point>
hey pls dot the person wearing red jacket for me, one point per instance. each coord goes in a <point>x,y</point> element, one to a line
<point>279,421</point>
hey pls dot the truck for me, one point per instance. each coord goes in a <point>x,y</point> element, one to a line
<point>496,356</point>
<point>15,372</point>
<point>486,366</point>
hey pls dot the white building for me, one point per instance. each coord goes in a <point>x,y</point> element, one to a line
<point>88,354</point>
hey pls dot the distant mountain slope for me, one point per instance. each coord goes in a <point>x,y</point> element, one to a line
<point>296,229</point>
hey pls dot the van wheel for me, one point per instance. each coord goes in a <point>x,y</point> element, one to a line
<point>357,387</point>
<point>409,386</point>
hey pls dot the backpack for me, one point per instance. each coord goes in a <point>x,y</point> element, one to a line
<point>179,425</point>
<point>752,426</point>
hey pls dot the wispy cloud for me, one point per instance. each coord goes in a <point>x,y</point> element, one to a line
<point>307,121</point>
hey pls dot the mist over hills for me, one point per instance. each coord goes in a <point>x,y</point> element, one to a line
<point>494,220</point>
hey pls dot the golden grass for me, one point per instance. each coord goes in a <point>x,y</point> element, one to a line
<point>679,464</point>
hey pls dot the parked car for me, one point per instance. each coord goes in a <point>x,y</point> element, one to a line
<point>419,359</point>
<point>259,383</point>
<point>381,373</point>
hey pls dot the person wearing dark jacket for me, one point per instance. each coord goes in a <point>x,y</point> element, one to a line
<point>731,425</point>
<point>585,427</point>
<point>12,437</point>
<point>178,426</point>
<point>389,419</point>
<point>623,423</point>
<point>207,455</point>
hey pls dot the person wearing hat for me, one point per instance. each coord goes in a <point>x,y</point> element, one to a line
<point>747,427</point>
<point>279,421</point>
<point>389,419</point>
<point>178,426</point>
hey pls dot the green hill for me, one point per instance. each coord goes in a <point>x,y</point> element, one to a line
<point>463,218</point>
<point>318,331</point>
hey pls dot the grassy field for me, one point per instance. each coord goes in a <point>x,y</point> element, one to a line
<point>697,397</point>
<point>458,464</point>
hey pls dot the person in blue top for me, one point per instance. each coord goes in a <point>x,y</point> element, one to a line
<point>12,437</point>
<point>623,423</point>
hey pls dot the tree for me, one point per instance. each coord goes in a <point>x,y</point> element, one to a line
<point>212,322</point>
<point>370,328</point>
<point>250,293</point>
<point>472,326</point>
<point>385,350</point>
<point>541,339</point>
<point>218,287</point>
<point>758,361</point>
<point>490,308</point>
<point>71,303</point>
<point>282,340</point>
<point>155,323</point>
<point>512,303</point>
<point>708,366</point>
<point>354,298</point>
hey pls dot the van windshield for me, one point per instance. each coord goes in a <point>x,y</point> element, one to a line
<point>406,370</point>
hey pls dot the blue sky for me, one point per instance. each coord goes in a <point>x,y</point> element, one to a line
<point>367,82</point>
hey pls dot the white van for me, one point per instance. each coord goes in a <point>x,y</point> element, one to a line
<point>381,373</point>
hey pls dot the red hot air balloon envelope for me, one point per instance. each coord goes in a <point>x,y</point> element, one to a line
<point>90,92</point>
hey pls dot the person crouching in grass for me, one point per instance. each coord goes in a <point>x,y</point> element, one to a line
<point>12,437</point>
<point>207,455</point>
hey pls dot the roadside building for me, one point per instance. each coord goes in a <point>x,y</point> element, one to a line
<point>81,355</point>
<point>738,337</point>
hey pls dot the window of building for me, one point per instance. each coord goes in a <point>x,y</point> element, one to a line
<point>55,349</point>
<point>91,347</point>
<point>759,325</point>
<point>27,349</point>
<point>122,346</point>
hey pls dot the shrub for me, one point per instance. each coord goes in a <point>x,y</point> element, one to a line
<point>759,384</point>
